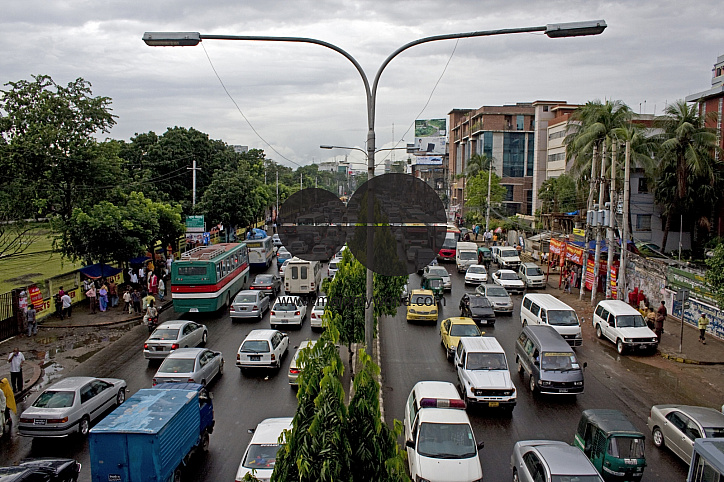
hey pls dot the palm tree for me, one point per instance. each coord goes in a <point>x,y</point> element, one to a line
<point>687,146</point>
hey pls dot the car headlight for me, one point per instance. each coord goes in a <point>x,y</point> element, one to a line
<point>654,339</point>
<point>544,383</point>
<point>508,393</point>
<point>433,312</point>
<point>412,311</point>
<point>578,384</point>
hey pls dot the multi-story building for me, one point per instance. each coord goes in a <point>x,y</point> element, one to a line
<point>503,133</point>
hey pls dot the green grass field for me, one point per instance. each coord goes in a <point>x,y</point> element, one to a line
<point>34,265</point>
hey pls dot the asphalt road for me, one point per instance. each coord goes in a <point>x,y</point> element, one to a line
<point>410,353</point>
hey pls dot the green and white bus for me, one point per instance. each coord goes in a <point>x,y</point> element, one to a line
<point>207,278</point>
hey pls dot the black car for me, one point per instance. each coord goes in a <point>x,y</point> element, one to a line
<point>269,283</point>
<point>477,307</point>
<point>42,470</point>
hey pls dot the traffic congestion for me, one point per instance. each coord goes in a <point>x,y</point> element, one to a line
<point>514,390</point>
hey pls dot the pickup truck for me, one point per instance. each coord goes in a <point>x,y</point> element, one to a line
<point>153,435</point>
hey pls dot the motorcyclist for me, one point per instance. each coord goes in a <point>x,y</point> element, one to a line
<point>151,316</point>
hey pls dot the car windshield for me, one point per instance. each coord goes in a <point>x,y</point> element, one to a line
<point>479,302</point>
<point>534,271</point>
<point>446,441</point>
<point>261,456</point>
<point>562,318</point>
<point>245,299</point>
<point>464,330</point>
<point>468,255</point>
<point>263,279</point>
<point>438,271</point>
<point>508,276</point>
<point>282,250</point>
<point>508,253</point>
<point>630,321</point>
<point>559,362</point>
<point>626,447</point>
<point>575,478</point>
<point>477,270</point>
<point>177,365</point>
<point>332,265</point>
<point>55,399</point>
<point>285,306</point>
<point>255,346</point>
<point>164,334</point>
<point>497,292</point>
<point>486,361</point>
<point>422,300</point>
<point>714,432</point>
<point>450,243</point>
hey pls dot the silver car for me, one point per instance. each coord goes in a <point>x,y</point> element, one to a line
<point>551,460</point>
<point>173,335</point>
<point>498,297</point>
<point>192,365</point>
<point>249,304</point>
<point>438,272</point>
<point>315,318</point>
<point>676,426</point>
<point>294,366</point>
<point>71,405</point>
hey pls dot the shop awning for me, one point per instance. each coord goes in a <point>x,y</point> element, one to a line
<point>99,270</point>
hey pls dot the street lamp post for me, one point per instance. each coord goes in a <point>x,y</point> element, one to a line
<point>560,30</point>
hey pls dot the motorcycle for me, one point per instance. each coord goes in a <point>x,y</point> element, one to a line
<point>152,323</point>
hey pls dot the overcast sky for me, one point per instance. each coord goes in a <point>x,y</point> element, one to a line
<point>298,96</point>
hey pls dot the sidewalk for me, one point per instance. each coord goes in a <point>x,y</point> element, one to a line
<point>692,351</point>
<point>53,331</point>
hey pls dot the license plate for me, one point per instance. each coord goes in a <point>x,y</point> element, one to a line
<point>563,390</point>
<point>159,348</point>
<point>303,287</point>
<point>39,421</point>
<point>285,321</point>
<point>114,478</point>
<point>193,310</point>
<point>255,357</point>
<point>244,308</point>
<point>493,404</point>
<point>630,461</point>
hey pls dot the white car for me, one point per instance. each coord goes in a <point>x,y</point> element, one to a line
<point>294,366</point>
<point>508,279</point>
<point>287,310</point>
<point>261,454</point>
<point>262,348</point>
<point>439,440</point>
<point>283,267</point>
<point>333,267</point>
<point>315,317</point>
<point>438,272</point>
<point>276,241</point>
<point>624,326</point>
<point>476,274</point>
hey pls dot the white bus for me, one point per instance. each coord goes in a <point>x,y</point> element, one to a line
<point>302,277</point>
<point>261,252</point>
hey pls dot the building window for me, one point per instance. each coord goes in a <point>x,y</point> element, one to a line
<point>643,222</point>
<point>514,154</point>
<point>488,144</point>
<point>512,209</point>
<point>529,202</point>
<point>519,119</point>
<point>556,134</point>
<point>643,185</point>
<point>556,157</point>
<point>529,167</point>
<point>508,192</point>
<point>545,108</point>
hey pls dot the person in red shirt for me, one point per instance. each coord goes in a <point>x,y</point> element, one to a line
<point>659,322</point>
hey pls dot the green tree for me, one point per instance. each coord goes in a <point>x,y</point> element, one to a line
<point>715,273</point>
<point>559,194</point>
<point>476,189</point>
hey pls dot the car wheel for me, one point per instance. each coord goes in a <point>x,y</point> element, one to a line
<point>221,368</point>
<point>121,396</point>
<point>515,476</point>
<point>620,348</point>
<point>204,338</point>
<point>84,426</point>
<point>658,437</point>
<point>204,441</point>
<point>599,333</point>
<point>532,385</point>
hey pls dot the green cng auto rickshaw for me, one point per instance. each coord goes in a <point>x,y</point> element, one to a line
<point>485,256</point>
<point>435,285</point>
<point>612,443</point>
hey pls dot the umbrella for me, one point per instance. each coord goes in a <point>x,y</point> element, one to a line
<point>498,230</point>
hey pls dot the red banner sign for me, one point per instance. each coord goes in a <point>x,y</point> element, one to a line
<point>589,274</point>
<point>556,246</point>
<point>36,297</point>
<point>614,280</point>
<point>574,254</point>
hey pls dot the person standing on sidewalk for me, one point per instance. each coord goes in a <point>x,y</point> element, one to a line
<point>92,295</point>
<point>16,360</point>
<point>127,301</point>
<point>703,322</point>
<point>136,298</point>
<point>661,314</point>
<point>67,306</point>
<point>113,293</point>
<point>32,321</point>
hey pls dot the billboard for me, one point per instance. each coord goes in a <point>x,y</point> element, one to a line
<point>431,136</point>
<point>429,160</point>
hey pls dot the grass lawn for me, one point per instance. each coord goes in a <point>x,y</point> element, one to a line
<point>34,265</point>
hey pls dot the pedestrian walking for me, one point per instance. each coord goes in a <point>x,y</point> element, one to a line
<point>161,288</point>
<point>127,301</point>
<point>67,306</point>
<point>92,294</point>
<point>136,298</point>
<point>7,392</point>
<point>703,322</point>
<point>133,278</point>
<point>152,283</point>
<point>661,314</point>
<point>113,293</point>
<point>16,360</point>
<point>103,297</point>
<point>32,321</point>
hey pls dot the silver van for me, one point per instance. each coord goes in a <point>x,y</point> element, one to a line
<point>543,309</point>
<point>548,361</point>
<point>532,275</point>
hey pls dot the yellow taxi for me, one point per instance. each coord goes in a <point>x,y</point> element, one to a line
<point>451,329</point>
<point>422,306</point>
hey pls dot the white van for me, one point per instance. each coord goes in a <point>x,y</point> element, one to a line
<point>466,254</point>
<point>541,309</point>
<point>623,325</point>
<point>532,275</point>
<point>506,257</point>
<point>302,277</point>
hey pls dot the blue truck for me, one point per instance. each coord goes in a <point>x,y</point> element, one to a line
<point>153,435</point>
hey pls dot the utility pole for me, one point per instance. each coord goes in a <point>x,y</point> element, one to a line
<point>621,282</point>
<point>597,258</point>
<point>584,271</point>
<point>612,196</point>
<point>277,216</point>
<point>300,182</point>
<point>315,181</point>
<point>193,170</point>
